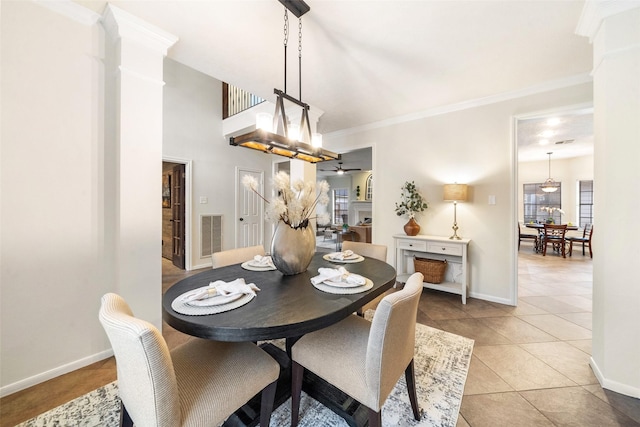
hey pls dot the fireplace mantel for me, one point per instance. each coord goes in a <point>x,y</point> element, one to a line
<point>359,209</point>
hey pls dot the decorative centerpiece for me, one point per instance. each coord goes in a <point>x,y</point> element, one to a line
<point>550,211</point>
<point>294,241</point>
<point>411,203</point>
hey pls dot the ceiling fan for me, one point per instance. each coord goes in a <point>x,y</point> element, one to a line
<point>339,170</point>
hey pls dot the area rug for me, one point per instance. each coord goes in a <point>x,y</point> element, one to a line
<point>441,365</point>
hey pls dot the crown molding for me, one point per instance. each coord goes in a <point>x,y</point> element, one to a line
<point>121,24</point>
<point>71,10</point>
<point>472,103</point>
<point>595,11</point>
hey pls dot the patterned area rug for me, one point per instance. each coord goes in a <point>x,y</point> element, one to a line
<point>441,365</point>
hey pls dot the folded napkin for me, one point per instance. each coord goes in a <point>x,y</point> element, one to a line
<point>342,255</point>
<point>221,288</point>
<point>262,261</point>
<point>337,275</point>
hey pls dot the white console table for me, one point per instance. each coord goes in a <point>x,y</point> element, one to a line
<point>456,278</point>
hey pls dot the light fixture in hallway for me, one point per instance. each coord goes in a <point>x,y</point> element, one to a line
<point>550,186</point>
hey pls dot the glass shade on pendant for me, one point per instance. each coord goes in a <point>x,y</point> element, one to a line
<point>264,121</point>
<point>549,186</point>
<point>316,140</point>
<point>293,132</point>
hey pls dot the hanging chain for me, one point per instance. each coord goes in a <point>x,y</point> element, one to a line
<point>300,58</point>
<point>299,37</point>
<point>286,40</point>
<point>286,27</point>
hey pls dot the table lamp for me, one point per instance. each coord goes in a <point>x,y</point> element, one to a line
<point>455,193</point>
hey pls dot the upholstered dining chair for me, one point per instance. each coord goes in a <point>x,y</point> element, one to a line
<point>587,233</point>
<point>235,256</point>
<point>554,234</point>
<point>527,236</point>
<point>371,250</point>
<point>364,359</point>
<point>199,383</point>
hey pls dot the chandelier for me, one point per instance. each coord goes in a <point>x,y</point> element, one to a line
<point>550,185</point>
<point>274,134</point>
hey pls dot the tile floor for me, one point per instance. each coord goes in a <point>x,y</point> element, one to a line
<point>530,364</point>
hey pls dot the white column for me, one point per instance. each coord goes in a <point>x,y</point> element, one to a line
<point>614,29</point>
<point>135,53</point>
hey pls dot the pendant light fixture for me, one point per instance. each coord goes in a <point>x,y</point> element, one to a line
<point>280,137</point>
<point>550,185</point>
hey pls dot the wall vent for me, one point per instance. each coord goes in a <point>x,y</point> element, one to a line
<point>210,235</point>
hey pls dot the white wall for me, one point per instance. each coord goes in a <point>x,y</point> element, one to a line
<point>193,131</point>
<point>52,212</point>
<point>472,146</point>
<point>566,171</point>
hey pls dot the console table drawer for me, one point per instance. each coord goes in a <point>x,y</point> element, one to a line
<point>443,248</point>
<point>456,278</point>
<point>412,245</point>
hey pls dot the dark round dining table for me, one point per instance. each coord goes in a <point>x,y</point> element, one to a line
<point>285,306</point>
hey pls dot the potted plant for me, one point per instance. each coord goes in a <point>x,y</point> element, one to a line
<point>411,203</point>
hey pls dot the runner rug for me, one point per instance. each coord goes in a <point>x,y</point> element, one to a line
<point>441,365</point>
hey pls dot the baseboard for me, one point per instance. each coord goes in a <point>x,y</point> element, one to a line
<point>625,389</point>
<point>53,373</point>
<point>199,266</point>
<point>506,301</point>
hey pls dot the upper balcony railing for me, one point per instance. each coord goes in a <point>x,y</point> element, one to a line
<point>236,100</point>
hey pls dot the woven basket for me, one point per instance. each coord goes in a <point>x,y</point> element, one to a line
<point>433,270</point>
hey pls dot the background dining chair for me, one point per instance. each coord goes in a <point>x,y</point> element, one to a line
<point>371,250</point>
<point>364,359</point>
<point>527,236</point>
<point>235,256</point>
<point>584,240</point>
<point>199,383</point>
<point>554,234</point>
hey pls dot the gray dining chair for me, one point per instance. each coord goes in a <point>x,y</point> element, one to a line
<point>371,250</point>
<point>199,383</point>
<point>364,359</point>
<point>235,256</point>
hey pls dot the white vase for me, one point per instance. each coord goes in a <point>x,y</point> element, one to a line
<point>292,249</point>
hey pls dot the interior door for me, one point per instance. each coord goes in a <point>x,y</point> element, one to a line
<point>249,210</point>
<point>178,214</point>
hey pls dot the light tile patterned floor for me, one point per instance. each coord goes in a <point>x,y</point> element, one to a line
<point>530,365</point>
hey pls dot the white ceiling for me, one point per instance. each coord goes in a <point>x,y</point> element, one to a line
<point>570,134</point>
<point>369,60</point>
<point>356,159</point>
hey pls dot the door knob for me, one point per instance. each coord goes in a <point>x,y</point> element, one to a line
<point>241,219</point>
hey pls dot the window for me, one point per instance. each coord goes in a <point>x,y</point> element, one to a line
<point>369,192</point>
<point>585,203</point>
<point>340,206</point>
<point>535,199</point>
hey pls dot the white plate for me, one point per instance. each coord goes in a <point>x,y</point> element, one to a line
<point>344,291</point>
<point>247,265</point>
<point>351,259</point>
<point>344,284</point>
<point>213,301</point>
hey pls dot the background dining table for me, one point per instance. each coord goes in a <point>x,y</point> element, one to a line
<point>540,228</point>
<point>285,307</point>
